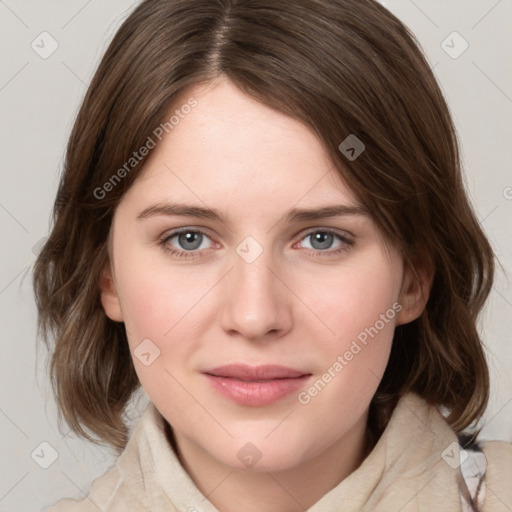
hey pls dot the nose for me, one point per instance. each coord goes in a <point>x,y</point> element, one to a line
<point>256,302</point>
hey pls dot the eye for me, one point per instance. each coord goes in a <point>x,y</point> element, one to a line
<point>191,243</point>
<point>185,242</point>
<point>322,240</point>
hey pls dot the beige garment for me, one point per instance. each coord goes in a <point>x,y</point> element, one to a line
<point>413,467</point>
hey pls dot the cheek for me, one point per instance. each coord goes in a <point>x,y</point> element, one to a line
<point>147,306</point>
<point>356,300</point>
<point>158,307</point>
<point>171,307</point>
<point>156,297</point>
<point>358,308</point>
<point>359,305</point>
<point>361,311</point>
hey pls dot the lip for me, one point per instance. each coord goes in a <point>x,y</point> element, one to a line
<point>256,386</point>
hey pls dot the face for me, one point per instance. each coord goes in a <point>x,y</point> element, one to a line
<point>219,259</point>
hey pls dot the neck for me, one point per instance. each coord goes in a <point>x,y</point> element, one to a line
<point>292,490</point>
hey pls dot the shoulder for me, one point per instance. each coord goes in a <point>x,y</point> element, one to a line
<point>498,476</point>
<point>486,468</point>
<point>133,484</point>
<point>98,497</point>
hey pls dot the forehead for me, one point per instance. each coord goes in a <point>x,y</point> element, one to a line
<point>232,149</point>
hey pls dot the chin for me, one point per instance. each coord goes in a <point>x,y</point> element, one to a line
<point>262,456</point>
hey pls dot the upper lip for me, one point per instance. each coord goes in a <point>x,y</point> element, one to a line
<point>263,372</point>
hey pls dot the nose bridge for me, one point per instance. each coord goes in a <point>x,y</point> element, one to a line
<point>255,304</point>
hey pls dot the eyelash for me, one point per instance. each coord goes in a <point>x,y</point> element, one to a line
<point>346,244</point>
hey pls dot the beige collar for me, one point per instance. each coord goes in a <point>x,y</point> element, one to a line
<point>413,467</point>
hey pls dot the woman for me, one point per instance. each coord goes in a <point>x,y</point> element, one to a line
<point>262,222</point>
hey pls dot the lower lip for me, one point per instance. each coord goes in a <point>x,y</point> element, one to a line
<point>256,394</point>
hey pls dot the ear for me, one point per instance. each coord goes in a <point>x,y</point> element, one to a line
<point>109,297</point>
<point>415,292</point>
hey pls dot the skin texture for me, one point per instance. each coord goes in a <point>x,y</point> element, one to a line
<point>295,305</point>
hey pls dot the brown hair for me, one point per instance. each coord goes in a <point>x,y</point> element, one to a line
<point>340,66</point>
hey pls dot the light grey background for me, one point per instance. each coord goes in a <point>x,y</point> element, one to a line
<point>39,99</point>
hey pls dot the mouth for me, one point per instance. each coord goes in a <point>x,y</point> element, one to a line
<point>256,386</point>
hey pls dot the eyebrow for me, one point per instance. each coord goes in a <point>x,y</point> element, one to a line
<point>294,215</point>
